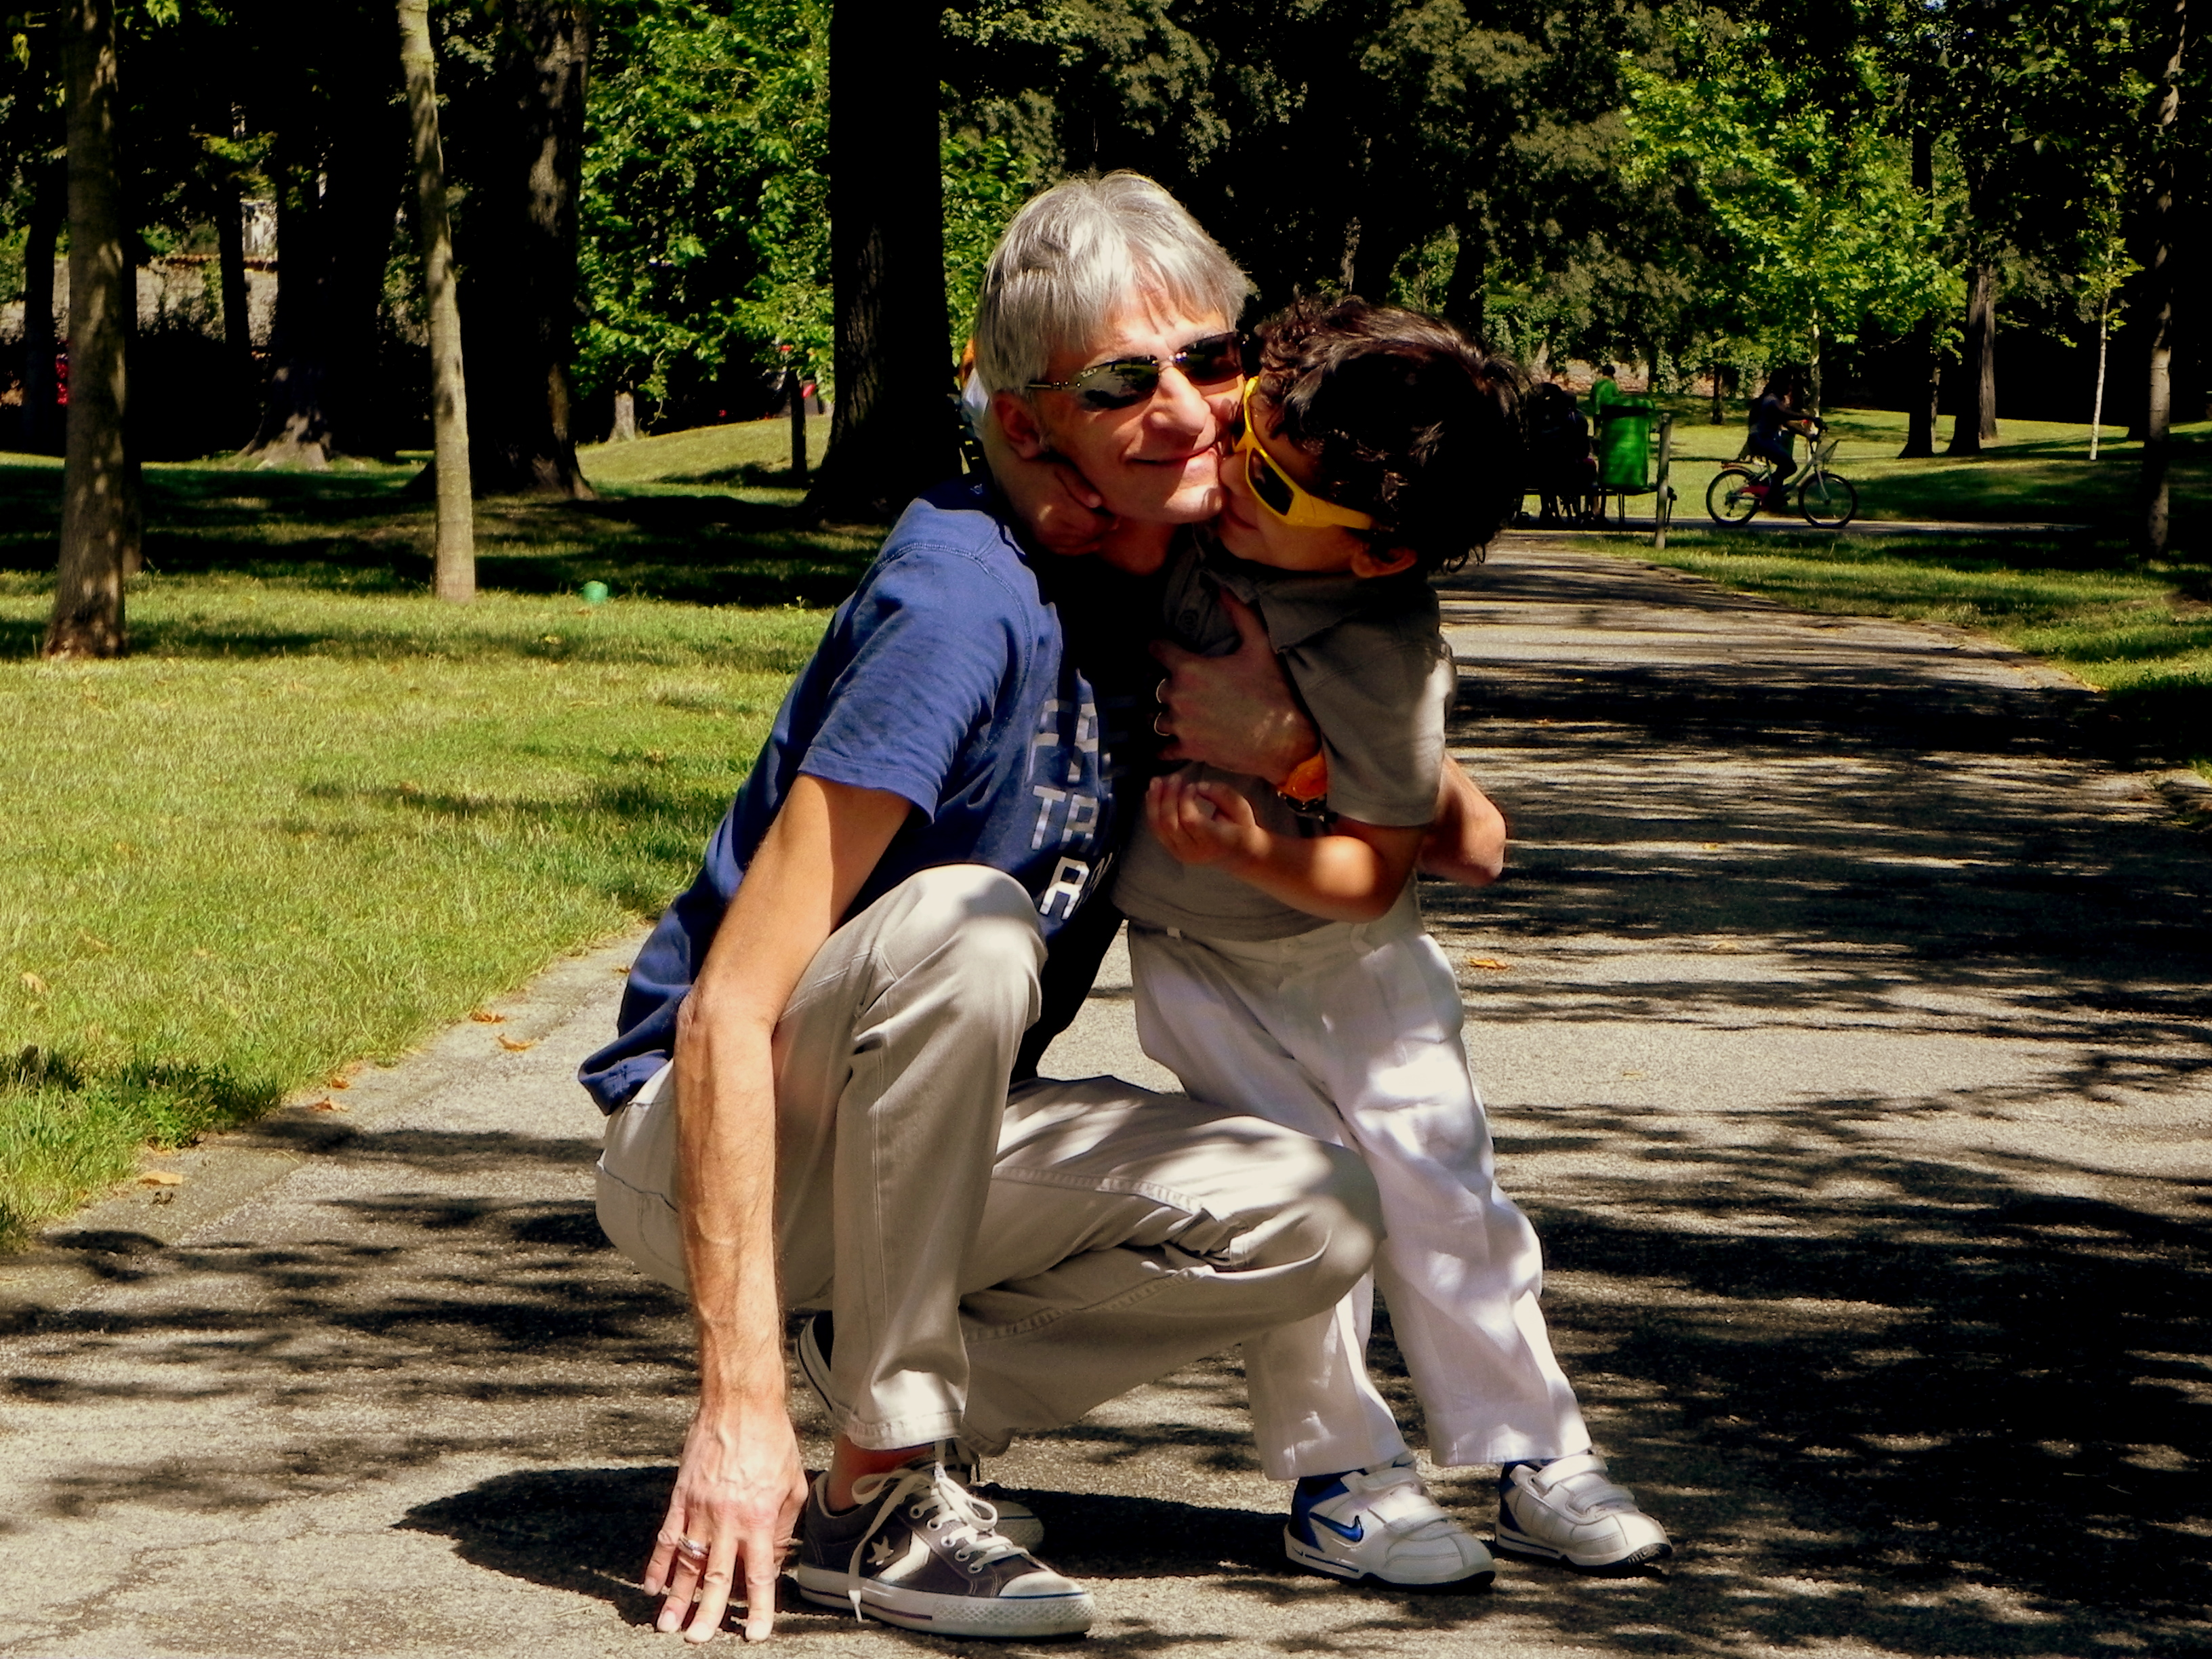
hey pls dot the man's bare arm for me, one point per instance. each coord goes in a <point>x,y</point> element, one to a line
<point>740,1487</point>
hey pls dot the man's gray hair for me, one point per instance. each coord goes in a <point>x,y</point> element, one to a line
<point>1078,254</point>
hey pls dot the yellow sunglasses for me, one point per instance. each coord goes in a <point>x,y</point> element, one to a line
<point>1282,494</point>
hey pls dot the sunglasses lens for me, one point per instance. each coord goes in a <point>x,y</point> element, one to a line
<point>1216,357</point>
<point>1272,488</point>
<point>1116,385</point>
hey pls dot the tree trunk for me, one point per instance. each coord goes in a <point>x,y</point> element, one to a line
<point>2104,343</point>
<point>449,398</point>
<point>294,429</point>
<point>334,172</point>
<point>42,424</point>
<point>796,389</point>
<point>359,209</point>
<point>892,434</point>
<point>625,426</point>
<point>1372,260</point>
<point>1976,423</point>
<point>1720,404</point>
<point>1467,296</point>
<point>1920,417</point>
<point>100,482</point>
<point>237,303</point>
<point>2154,492</point>
<point>520,253</point>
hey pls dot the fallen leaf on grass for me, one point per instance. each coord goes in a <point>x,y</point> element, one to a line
<point>516,1045</point>
<point>160,1178</point>
<point>326,1104</point>
<point>1493,965</point>
<point>485,1016</point>
<point>338,1080</point>
<point>623,970</point>
<point>90,943</point>
<point>34,985</point>
<point>202,953</point>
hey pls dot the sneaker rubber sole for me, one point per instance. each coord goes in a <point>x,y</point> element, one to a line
<point>1510,1542</point>
<point>1313,1560</point>
<point>1008,1618</point>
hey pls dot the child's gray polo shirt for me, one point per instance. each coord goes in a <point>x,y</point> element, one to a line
<point>1367,658</point>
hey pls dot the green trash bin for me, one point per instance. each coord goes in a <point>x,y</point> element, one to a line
<point>1624,439</point>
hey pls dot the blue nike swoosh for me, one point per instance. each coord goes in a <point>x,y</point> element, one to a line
<point>1351,1535</point>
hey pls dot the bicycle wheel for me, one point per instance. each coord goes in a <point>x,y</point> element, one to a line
<point>1827,500</point>
<point>1728,497</point>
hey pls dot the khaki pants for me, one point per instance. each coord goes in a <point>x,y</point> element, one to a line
<point>997,1264</point>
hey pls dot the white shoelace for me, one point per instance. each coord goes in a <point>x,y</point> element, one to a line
<point>935,1501</point>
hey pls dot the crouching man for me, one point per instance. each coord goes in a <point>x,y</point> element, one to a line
<point>809,1099</point>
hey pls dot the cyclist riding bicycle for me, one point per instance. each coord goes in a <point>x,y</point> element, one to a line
<point>1774,420</point>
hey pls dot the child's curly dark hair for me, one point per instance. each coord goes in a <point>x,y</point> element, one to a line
<point>1409,419</point>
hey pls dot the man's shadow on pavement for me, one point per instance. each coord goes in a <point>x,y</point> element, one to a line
<point>583,1530</point>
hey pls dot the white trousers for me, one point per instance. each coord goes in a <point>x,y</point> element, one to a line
<point>1351,1034</point>
<point>996,1264</point>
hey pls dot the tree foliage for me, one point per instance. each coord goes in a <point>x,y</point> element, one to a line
<point>1652,179</point>
<point>1820,235</point>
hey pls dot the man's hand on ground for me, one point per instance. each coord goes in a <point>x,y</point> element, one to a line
<point>1234,712</point>
<point>738,1492</point>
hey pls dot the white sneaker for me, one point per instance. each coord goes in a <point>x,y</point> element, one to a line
<point>1017,1521</point>
<point>1569,1510</point>
<point>1381,1524</point>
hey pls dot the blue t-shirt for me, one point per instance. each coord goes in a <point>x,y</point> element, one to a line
<point>945,679</point>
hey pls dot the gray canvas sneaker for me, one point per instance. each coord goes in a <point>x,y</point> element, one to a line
<point>1017,1520</point>
<point>918,1550</point>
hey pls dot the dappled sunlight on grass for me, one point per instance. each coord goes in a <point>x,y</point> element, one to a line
<point>318,814</point>
<point>369,816</point>
<point>750,452</point>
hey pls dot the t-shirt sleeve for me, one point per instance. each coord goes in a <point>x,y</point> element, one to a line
<point>931,642</point>
<point>1379,695</point>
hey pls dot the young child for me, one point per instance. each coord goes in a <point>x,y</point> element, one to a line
<point>1281,967</point>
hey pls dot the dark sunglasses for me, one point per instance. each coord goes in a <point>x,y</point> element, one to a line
<point>1128,381</point>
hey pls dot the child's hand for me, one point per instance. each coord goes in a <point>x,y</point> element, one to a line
<point>1203,823</point>
<point>1065,516</point>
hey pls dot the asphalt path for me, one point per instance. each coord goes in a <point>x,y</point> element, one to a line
<point>1843,1024</point>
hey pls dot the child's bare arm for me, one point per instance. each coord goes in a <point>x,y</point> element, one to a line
<point>1353,874</point>
<point>1057,502</point>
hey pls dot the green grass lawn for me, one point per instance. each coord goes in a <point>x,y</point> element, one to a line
<point>2039,472</point>
<point>316,815</point>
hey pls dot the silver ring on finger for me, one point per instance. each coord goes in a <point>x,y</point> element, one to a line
<point>692,1551</point>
